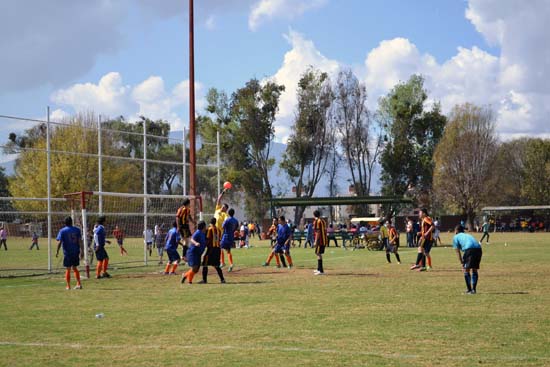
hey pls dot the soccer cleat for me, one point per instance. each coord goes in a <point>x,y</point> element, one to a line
<point>429,268</point>
<point>98,276</point>
<point>78,286</point>
<point>106,275</point>
<point>165,273</point>
<point>222,281</point>
<point>421,269</point>
<point>415,266</point>
<point>278,266</point>
<point>317,272</point>
<point>473,291</point>
<point>183,279</point>
<point>399,262</point>
<point>173,273</point>
<point>290,266</point>
<point>230,268</point>
<point>203,282</point>
<point>67,288</point>
<point>222,266</point>
<point>265,264</point>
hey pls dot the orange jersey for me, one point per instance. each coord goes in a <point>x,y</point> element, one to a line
<point>320,231</point>
<point>394,236</point>
<point>182,215</point>
<point>118,234</point>
<point>272,231</point>
<point>213,236</point>
<point>427,223</point>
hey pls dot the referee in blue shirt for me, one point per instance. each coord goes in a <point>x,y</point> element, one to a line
<point>470,259</point>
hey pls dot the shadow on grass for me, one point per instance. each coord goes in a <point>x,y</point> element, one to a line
<point>507,293</point>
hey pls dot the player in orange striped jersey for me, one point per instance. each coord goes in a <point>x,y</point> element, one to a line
<point>320,241</point>
<point>183,218</point>
<point>118,233</point>
<point>213,250</point>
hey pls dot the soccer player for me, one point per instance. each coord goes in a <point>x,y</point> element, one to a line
<point>212,257</point>
<point>148,238</point>
<point>183,217</point>
<point>99,248</point>
<point>119,235</point>
<point>283,240</point>
<point>3,238</point>
<point>485,228</point>
<point>243,234</point>
<point>320,241</point>
<point>471,258</point>
<point>173,239</point>
<point>272,232</point>
<point>384,234</point>
<point>309,235</point>
<point>392,243</point>
<point>229,226</point>
<point>34,241</point>
<point>194,252</point>
<point>286,241</point>
<point>70,238</point>
<point>437,231</point>
<point>424,260</point>
<point>159,242</point>
<point>220,214</point>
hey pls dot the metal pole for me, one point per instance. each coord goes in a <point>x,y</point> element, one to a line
<point>85,234</point>
<point>49,189</point>
<point>184,175</point>
<point>144,187</point>
<point>218,158</point>
<point>192,159</point>
<point>100,164</point>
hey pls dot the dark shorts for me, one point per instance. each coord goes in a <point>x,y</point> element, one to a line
<point>149,244</point>
<point>185,231</point>
<point>278,249</point>
<point>428,246</point>
<point>101,254</point>
<point>213,257</point>
<point>472,258</point>
<point>71,260</point>
<point>319,249</point>
<point>173,255</point>
<point>286,248</point>
<point>193,256</point>
<point>120,242</point>
<point>227,245</point>
<point>391,247</point>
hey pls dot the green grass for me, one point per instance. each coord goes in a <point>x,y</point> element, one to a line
<point>363,312</point>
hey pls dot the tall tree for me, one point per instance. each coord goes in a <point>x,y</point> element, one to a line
<point>309,144</point>
<point>536,175</point>
<point>253,109</point>
<point>411,137</point>
<point>463,159</point>
<point>361,137</point>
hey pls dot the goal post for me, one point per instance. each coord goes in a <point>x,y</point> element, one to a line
<point>132,213</point>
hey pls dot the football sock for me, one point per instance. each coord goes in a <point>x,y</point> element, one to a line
<point>77,275</point>
<point>167,268</point>
<point>468,281</point>
<point>289,259</point>
<point>419,259</point>
<point>191,275</point>
<point>219,271</point>
<point>388,257</point>
<point>105,264</point>
<point>204,273</point>
<point>98,268</point>
<point>230,257</point>
<point>423,264</point>
<point>282,260</point>
<point>397,257</point>
<point>276,259</point>
<point>474,280</point>
<point>222,259</point>
<point>320,265</point>
<point>68,277</point>
<point>174,267</point>
<point>429,258</point>
<point>269,258</point>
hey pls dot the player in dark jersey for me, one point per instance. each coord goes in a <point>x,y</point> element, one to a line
<point>70,238</point>
<point>213,250</point>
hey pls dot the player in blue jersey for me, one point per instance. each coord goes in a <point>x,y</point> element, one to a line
<point>70,238</point>
<point>229,226</point>
<point>470,259</point>
<point>173,240</point>
<point>282,244</point>
<point>195,251</point>
<point>99,248</point>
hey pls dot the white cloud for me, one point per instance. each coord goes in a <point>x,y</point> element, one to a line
<point>302,55</point>
<point>210,23</point>
<point>269,9</point>
<point>110,97</point>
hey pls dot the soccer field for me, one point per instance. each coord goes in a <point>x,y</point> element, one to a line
<point>363,312</point>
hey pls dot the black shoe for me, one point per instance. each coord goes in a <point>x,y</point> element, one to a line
<point>222,281</point>
<point>98,276</point>
<point>183,279</point>
<point>106,275</point>
<point>203,282</point>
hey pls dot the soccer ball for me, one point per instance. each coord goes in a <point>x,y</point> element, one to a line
<point>227,185</point>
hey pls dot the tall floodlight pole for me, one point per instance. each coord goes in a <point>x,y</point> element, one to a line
<point>192,159</point>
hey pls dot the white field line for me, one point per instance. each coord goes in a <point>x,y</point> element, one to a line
<point>247,348</point>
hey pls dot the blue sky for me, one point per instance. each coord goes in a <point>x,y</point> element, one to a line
<point>124,57</point>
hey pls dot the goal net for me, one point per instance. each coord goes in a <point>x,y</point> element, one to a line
<point>127,218</point>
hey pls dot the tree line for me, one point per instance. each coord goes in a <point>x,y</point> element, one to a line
<point>450,163</point>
